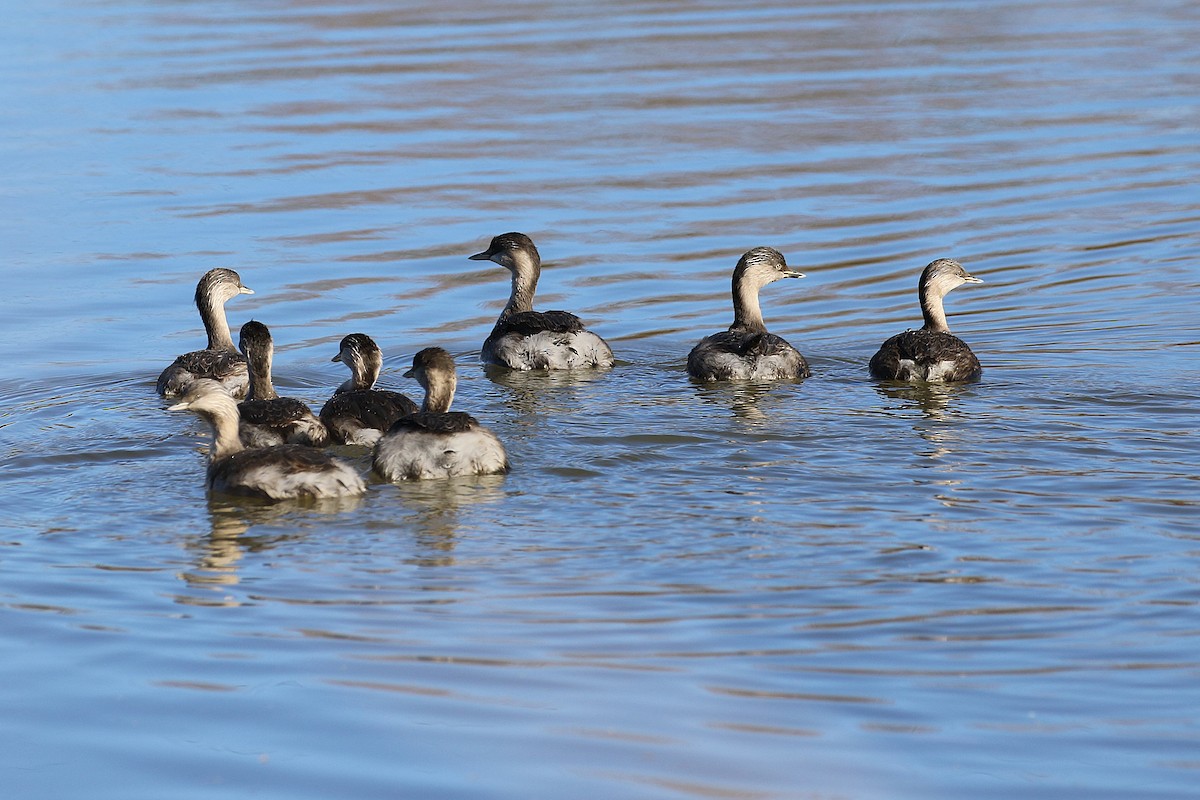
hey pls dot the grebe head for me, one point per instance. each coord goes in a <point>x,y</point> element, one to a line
<point>364,358</point>
<point>219,285</point>
<point>207,398</point>
<point>761,266</point>
<point>513,251</point>
<point>432,361</point>
<point>434,369</point>
<point>254,342</point>
<point>358,348</point>
<point>943,275</point>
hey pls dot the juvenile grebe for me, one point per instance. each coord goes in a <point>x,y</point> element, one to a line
<point>277,473</point>
<point>436,442</point>
<point>526,339</point>
<point>931,353</point>
<point>220,360</point>
<point>747,351</point>
<point>267,418</point>
<point>358,413</point>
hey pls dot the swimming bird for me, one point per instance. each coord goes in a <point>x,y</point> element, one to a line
<point>220,360</point>
<point>932,353</point>
<point>266,418</point>
<point>747,351</point>
<point>358,413</point>
<point>286,471</point>
<point>436,442</point>
<point>525,339</point>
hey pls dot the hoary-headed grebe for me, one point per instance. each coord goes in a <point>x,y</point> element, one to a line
<point>436,442</point>
<point>526,339</point>
<point>747,351</point>
<point>932,353</point>
<point>282,472</point>
<point>266,418</point>
<point>358,413</point>
<point>220,360</point>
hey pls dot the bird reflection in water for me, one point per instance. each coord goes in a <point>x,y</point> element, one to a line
<point>535,391</point>
<point>936,401</point>
<point>216,555</point>
<point>751,402</point>
<point>939,426</point>
<point>438,504</point>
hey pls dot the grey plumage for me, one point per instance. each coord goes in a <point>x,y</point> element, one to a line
<point>526,339</point>
<point>220,360</point>
<point>747,351</point>
<point>358,413</point>
<point>931,353</point>
<point>436,442</point>
<point>275,473</point>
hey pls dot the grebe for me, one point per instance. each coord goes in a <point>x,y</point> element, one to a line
<point>267,418</point>
<point>747,351</point>
<point>525,339</point>
<point>220,360</point>
<point>932,353</point>
<point>436,442</point>
<point>358,413</point>
<point>282,472</point>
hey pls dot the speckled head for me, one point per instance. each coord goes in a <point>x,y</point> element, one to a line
<point>430,360</point>
<point>356,347</point>
<point>762,265</point>
<point>219,285</point>
<point>205,395</point>
<point>434,369</point>
<point>506,248</point>
<point>942,275</point>
<point>254,339</point>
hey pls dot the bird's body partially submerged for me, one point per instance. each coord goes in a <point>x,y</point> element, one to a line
<point>747,351</point>
<point>358,413</point>
<point>931,353</point>
<point>436,442</point>
<point>220,360</point>
<point>525,339</point>
<point>266,418</point>
<point>282,472</point>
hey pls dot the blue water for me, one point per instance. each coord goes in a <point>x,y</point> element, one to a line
<point>835,588</point>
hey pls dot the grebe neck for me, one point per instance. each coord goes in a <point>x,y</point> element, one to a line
<point>439,393</point>
<point>747,312</point>
<point>224,422</point>
<point>212,314</point>
<point>525,271</point>
<point>933,308</point>
<point>261,387</point>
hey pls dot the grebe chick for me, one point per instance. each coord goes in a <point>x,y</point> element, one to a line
<point>282,472</point>
<point>358,413</point>
<point>747,351</point>
<point>436,442</point>
<point>220,360</point>
<point>267,418</point>
<point>932,353</point>
<point>525,339</point>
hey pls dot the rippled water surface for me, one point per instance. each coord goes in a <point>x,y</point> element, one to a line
<point>833,589</point>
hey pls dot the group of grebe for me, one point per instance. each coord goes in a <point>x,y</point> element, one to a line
<point>267,445</point>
